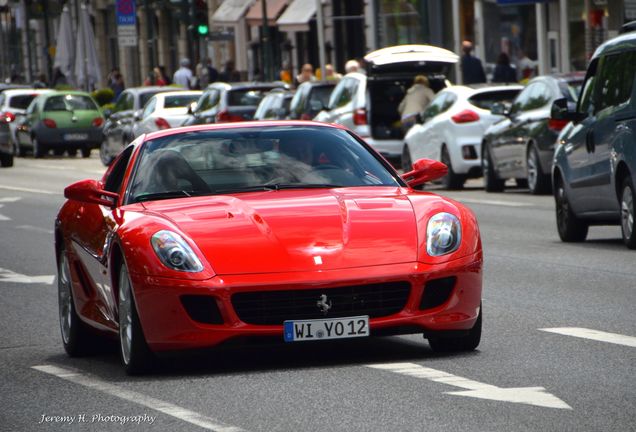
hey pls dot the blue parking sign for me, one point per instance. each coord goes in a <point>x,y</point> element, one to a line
<point>126,12</point>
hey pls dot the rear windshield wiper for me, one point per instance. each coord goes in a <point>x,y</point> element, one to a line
<point>277,186</point>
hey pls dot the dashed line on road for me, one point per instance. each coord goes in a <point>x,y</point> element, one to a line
<point>38,191</point>
<point>596,335</point>
<point>168,408</point>
<point>32,228</point>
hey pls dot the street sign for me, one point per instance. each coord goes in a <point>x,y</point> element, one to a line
<point>126,23</point>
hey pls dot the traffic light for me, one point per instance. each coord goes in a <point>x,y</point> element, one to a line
<point>202,29</point>
<point>201,18</point>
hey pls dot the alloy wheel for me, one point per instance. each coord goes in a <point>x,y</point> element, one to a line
<point>533,171</point>
<point>627,211</point>
<point>125,315</point>
<point>64,298</point>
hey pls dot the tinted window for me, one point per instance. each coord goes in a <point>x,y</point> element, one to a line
<point>570,90</point>
<point>436,106</point>
<point>246,97</point>
<point>116,174</point>
<point>586,102</point>
<point>179,101</point>
<point>539,97</point>
<point>21,101</point>
<point>344,93</point>
<point>614,86</point>
<point>321,94</point>
<point>70,103</point>
<point>487,99</point>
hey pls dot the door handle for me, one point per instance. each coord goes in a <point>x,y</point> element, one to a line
<point>589,141</point>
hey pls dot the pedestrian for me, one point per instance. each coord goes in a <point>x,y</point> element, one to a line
<point>116,82</point>
<point>183,75</point>
<point>504,72</point>
<point>230,74</point>
<point>526,67</point>
<point>165,75</point>
<point>206,73</point>
<point>352,66</point>
<point>331,74</point>
<point>417,98</point>
<point>160,79</point>
<point>306,74</point>
<point>150,79</point>
<point>472,70</point>
<point>40,81</point>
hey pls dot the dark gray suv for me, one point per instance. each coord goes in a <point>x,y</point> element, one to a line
<point>594,169</point>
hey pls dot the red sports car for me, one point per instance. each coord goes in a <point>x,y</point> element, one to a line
<point>298,230</point>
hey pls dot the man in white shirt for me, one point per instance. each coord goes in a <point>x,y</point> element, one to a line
<point>183,76</point>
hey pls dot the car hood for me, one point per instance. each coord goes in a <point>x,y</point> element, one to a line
<point>294,230</point>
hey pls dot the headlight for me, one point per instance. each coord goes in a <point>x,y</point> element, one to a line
<point>174,252</point>
<point>443,234</point>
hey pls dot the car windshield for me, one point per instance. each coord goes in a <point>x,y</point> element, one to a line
<point>254,159</point>
<point>69,103</point>
<point>180,101</point>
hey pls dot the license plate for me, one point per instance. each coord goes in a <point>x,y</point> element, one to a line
<point>320,329</point>
<point>75,137</point>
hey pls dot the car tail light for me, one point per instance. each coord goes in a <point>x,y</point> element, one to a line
<point>49,123</point>
<point>305,116</point>
<point>226,117</point>
<point>360,116</point>
<point>7,117</point>
<point>466,116</point>
<point>557,125</point>
<point>98,121</point>
<point>162,123</point>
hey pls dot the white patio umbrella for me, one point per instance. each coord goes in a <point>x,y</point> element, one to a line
<point>87,70</point>
<point>65,47</point>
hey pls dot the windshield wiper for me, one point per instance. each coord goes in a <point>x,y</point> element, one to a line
<point>167,195</point>
<point>276,187</point>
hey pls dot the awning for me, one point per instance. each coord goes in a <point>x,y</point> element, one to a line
<point>230,12</point>
<point>254,16</point>
<point>297,16</point>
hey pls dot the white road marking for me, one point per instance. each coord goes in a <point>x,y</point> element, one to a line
<point>10,199</point>
<point>67,167</point>
<point>9,276</point>
<point>3,217</point>
<point>32,228</point>
<point>536,396</point>
<point>172,410</point>
<point>596,335</point>
<point>494,202</point>
<point>21,189</point>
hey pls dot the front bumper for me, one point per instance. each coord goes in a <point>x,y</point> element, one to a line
<point>168,326</point>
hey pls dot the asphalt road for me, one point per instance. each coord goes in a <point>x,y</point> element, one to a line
<point>522,377</point>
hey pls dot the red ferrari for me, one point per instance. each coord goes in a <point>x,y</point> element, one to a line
<point>298,230</point>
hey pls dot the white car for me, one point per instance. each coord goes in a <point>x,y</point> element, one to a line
<point>164,111</point>
<point>452,127</point>
<point>368,104</point>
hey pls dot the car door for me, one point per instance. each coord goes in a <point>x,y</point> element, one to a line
<point>95,227</point>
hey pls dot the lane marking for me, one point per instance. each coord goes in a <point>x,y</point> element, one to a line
<point>10,276</point>
<point>172,410</point>
<point>596,335</point>
<point>536,396</point>
<point>67,167</point>
<point>3,217</point>
<point>32,228</point>
<point>10,199</point>
<point>38,191</point>
<point>494,202</point>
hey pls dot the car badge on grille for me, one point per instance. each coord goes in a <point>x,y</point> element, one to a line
<point>324,304</point>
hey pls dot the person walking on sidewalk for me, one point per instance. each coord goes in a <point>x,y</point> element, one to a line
<point>183,75</point>
<point>472,70</point>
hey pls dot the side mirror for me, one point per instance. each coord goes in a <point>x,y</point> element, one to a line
<point>192,108</point>
<point>91,192</point>
<point>424,170</point>
<point>137,115</point>
<point>564,110</point>
<point>499,108</point>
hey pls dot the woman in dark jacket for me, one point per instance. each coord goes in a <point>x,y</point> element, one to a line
<point>504,73</point>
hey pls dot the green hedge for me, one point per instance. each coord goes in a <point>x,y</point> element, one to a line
<point>103,96</point>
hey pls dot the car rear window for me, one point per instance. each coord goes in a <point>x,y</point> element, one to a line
<point>487,99</point>
<point>180,101</point>
<point>21,101</point>
<point>70,102</point>
<point>322,94</point>
<point>145,97</point>
<point>246,97</point>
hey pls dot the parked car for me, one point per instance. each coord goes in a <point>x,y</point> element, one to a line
<point>118,127</point>
<point>522,145</point>
<point>368,104</point>
<point>275,105</point>
<point>13,105</point>
<point>594,171</point>
<point>229,102</point>
<point>311,97</point>
<point>61,121</point>
<point>164,111</point>
<point>452,127</point>
<point>238,230</point>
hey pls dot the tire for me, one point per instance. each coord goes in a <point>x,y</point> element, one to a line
<point>19,150</point>
<point>407,163</point>
<point>39,150</point>
<point>522,183</point>
<point>59,151</point>
<point>628,212</point>
<point>72,152</point>
<point>451,180</point>
<point>465,343</point>
<point>104,156</point>
<point>135,354</point>
<point>538,181</point>
<point>86,152</point>
<point>492,183</point>
<point>569,226</point>
<point>76,338</point>
<point>6,160</point>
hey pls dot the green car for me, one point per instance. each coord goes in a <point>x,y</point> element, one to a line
<point>61,121</point>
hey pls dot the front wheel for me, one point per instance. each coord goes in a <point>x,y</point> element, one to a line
<point>468,342</point>
<point>452,180</point>
<point>135,354</point>
<point>492,183</point>
<point>6,160</point>
<point>570,227</point>
<point>104,152</point>
<point>538,181</point>
<point>86,152</point>
<point>628,213</point>
<point>39,149</point>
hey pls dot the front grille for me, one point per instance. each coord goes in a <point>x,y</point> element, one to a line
<point>274,307</point>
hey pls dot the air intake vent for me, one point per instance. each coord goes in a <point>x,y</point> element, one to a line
<point>202,309</point>
<point>437,292</point>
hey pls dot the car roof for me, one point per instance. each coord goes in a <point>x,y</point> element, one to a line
<point>318,84</point>
<point>178,93</point>
<point>246,84</point>
<point>240,125</point>
<point>25,91</point>
<point>148,89</point>
<point>624,42</point>
<point>67,92</point>
<point>411,53</point>
<point>469,90</point>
